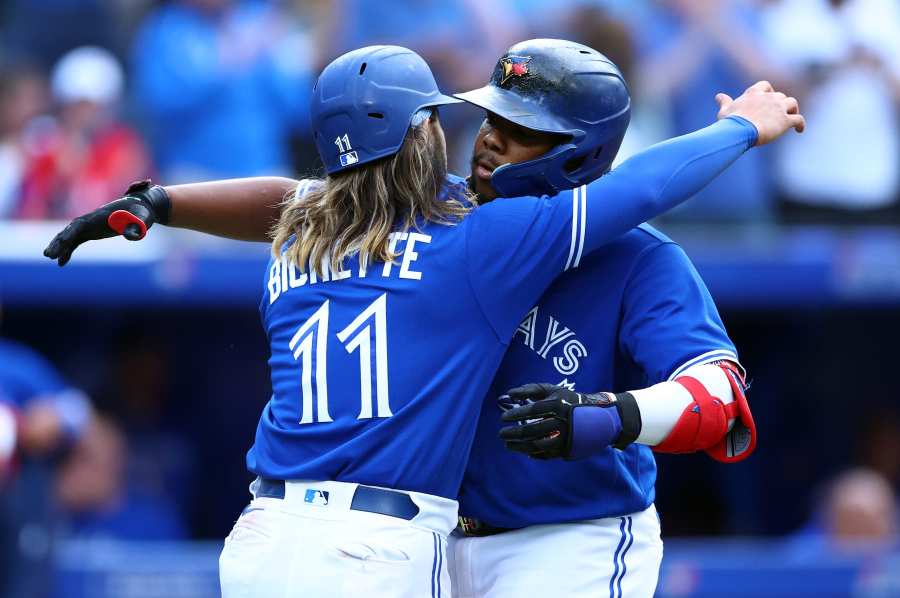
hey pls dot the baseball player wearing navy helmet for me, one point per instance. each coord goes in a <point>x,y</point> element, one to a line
<point>577,492</point>
<point>564,89</point>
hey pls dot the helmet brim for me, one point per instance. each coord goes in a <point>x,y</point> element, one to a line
<point>440,100</point>
<point>515,108</point>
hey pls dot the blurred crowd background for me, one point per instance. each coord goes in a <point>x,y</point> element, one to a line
<point>135,415</point>
<point>96,94</point>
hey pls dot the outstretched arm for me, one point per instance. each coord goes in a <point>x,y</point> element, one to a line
<point>668,173</point>
<point>243,209</point>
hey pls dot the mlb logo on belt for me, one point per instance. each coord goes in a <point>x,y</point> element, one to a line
<point>349,158</point>
<point>316,497</point>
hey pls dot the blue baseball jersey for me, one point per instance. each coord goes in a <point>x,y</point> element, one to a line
<point>631,315</point>
<point>379,370</point>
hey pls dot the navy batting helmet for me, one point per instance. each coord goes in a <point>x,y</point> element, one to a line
<point>364,103</point>
<point>557,86</point>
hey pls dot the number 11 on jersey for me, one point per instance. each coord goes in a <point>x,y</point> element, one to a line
<point>315,332</point>
<point>313,329</point>
<point>361,325</point>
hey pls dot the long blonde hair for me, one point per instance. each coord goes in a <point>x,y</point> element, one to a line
<point>356,210</point>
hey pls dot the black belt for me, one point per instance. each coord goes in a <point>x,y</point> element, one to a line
<point>472,527</point>
<point>366,498</point>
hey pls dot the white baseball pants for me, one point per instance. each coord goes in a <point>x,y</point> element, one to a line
<point>617,557</point>
<point>300,546</point>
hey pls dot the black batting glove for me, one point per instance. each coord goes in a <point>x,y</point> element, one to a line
<point>130,216</point>
<point>555,422</point>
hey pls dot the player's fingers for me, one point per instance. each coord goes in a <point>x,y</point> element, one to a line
<point>534,410</point>
<point>132,232</point>
<point>61,240</point>
<point>546,448</point>
<point>52,249</point>
<point>792,105</point>
<point>532,431</point>
<point>761,86</point>
<point>520,446</point>
<point>69,244</point>
<point>798,123</point>
<point>534,391</point>
<point>723,100</point>
<point>64,258</point>
<point>529,411</point>
<point>63,244</point>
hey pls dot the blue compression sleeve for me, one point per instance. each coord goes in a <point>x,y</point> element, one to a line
<point>680,167</point>
<point>663,176</point>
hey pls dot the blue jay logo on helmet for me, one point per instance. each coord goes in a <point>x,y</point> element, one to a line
<point>513,66</point>
<point>562,87</point>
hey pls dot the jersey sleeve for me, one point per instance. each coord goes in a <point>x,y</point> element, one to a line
<point>517,247</point>
<point>669,319</point>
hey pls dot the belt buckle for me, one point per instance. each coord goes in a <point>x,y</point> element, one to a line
<point>470,525</point>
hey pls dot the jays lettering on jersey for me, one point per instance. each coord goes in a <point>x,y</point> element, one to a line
<point>633,314</point>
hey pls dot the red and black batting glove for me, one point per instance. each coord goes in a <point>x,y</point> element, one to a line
<point>130,216</point>
<point>555,422</point>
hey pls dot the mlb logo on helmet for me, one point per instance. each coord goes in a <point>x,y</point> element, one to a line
<point>514,66</point>
<point>316,497</point>
<point>349,159</point>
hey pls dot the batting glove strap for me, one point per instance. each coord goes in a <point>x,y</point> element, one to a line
<point>630,414</point>
<point>594,426</point>
<point>154,197</point>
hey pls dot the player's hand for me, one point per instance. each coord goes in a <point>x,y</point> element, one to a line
<point>555,422</point>
<point>771,112</point>
<point>130,216</point>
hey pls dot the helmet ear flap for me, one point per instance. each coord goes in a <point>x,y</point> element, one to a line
<point>586,163</point>
<point>572,165</point>
<point>544,175</point>
<point>598,160</point>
